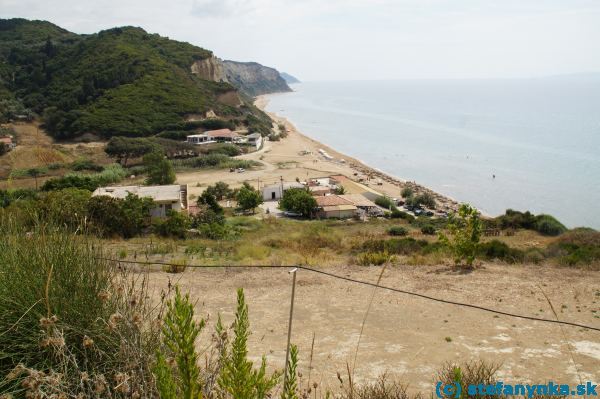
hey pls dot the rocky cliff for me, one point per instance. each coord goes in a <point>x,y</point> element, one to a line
<point>251,78</point>
<point>209,69</point>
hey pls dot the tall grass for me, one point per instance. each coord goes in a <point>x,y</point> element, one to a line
<point>70,323</point>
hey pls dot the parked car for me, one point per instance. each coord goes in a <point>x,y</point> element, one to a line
<point>241,170</point>
<point>292,214</point>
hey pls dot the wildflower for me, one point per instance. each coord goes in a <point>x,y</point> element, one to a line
<point>122,384</point>
<point>85,377</point>
<point>47,322</point>
<point>87,341</point>
<point>16,372</point>
<point>137,319</point>
<point>104,295</point>
<point>100,384</point>
<point>113,320</point>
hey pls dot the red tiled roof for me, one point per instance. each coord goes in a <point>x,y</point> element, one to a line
<point>331,200</point>
<point>221,133</point>
<point>6,140</point>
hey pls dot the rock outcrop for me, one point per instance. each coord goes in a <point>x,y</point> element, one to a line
<point>209,69</point>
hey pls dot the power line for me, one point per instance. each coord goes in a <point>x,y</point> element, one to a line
<point>352,280</point>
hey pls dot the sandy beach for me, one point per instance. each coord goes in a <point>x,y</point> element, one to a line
<point>297,157</point>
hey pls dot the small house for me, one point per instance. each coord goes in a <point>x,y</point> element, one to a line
<point>255,140</point>
<point>334,206</point>
<point>197,139</point>
<point>274,192</point>
<point>166,198</point>
<point>223,136</point>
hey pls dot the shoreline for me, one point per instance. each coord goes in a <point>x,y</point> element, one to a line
<point>444,202</point>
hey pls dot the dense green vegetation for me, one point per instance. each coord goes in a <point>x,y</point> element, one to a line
<point>544,224</point>
<point>121,81</point>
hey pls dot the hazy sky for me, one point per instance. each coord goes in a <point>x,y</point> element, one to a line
<point>359,39</point>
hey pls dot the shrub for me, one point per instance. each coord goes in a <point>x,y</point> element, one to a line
<point>66,207</point>
<point>398,214</point>
<point>111,174</point>
<point>179,334</point>
<point>398,246</point>
<point>176,224</point>
<point>498,250</point>
<point>428,229</point>
<point>577,247</point>
<point>238,377</point>
<point>407,192</point>
<point>373,258</point>
<point>548,225</point>
<point>385,202</point>
<point>465,230</point>
<point>86,164</point>
<point>397,231</point>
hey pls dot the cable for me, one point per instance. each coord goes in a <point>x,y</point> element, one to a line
<point>423,296</point>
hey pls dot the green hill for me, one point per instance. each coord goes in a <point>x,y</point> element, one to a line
<point>121,81</point>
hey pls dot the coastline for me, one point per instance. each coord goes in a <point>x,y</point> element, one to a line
<point>391,185</point>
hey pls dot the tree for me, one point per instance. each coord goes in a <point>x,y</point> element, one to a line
<point>207,199</point>
<point>160,170</point>
<point>465,231</point>
<point>123,148</point>
<point>298,200</point>
<point>35,172</point>
<point>125,217</point>
<point>248,198</point>
<point>340,190</point>
<point>220,190</point>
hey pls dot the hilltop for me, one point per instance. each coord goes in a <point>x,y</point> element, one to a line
<point>120,81</point>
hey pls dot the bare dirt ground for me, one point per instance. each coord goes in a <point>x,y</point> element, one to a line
<point>406,336</point>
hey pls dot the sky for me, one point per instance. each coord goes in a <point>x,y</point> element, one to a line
<point>359,39</point>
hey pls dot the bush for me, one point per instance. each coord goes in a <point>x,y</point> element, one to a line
<point>373,258</point>
<point>111,174</point>
<point>175,224</point>
<point>465,230</point>
<point>548,225</point>
<point>407,192</point>
<point>398,246</point>
<point>385,202</point>
<point>398,214</point>
<point>86,164</point>
<point>428,229</point>
<point>397,231</point>
<point>498,250</point>
<point>577,247</point>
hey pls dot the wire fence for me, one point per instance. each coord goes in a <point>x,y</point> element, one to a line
<point>367,283</point>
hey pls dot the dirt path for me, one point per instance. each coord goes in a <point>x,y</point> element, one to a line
<point>411,337</point>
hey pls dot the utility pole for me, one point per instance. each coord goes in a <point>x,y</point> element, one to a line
<point>281,180</point>
<point>289,336</point>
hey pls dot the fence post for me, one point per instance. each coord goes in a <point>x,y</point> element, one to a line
<point>289,335</point>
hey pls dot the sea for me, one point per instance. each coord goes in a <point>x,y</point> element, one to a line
<point>523,144</point>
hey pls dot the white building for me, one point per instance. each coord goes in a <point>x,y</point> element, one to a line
<point>200,139</point>
<point>166,198</point>
<point>254,139</point>
<point>275,191</point>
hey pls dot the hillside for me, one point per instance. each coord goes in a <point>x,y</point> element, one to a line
<point>121,81</point>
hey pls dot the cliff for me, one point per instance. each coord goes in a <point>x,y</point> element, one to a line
<point>289,78</point>
<point>253,78</point>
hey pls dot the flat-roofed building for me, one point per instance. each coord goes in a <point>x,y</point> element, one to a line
<point>166,198</point>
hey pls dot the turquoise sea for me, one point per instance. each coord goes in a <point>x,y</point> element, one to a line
<point>539,137</point>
